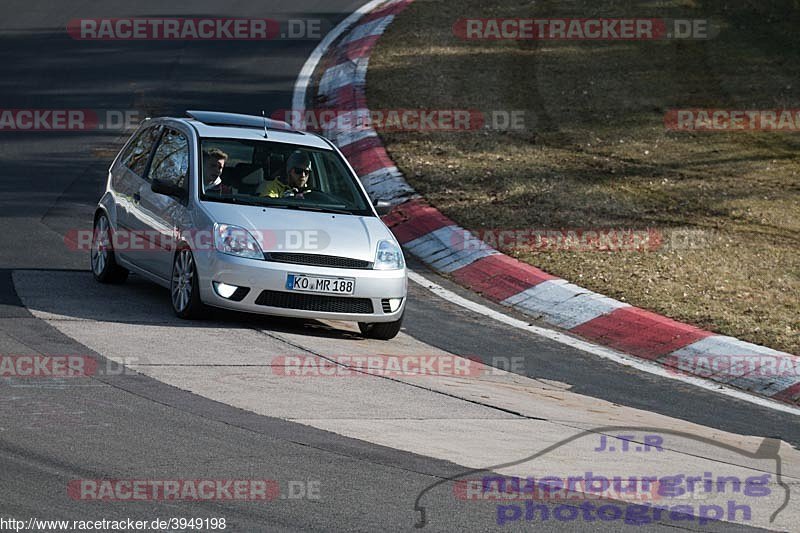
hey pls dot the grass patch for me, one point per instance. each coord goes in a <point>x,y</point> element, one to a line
<point>595,152</point>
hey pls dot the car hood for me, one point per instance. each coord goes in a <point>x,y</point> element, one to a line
<point>291,230</point>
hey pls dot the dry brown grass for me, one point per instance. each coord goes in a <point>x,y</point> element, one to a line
<point>596,153</point>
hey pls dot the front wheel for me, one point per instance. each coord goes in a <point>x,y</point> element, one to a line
<point>381,330</point>
<point>184,286</point>
<point>104,262</point>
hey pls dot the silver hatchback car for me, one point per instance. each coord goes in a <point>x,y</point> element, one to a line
<point>244,213</point>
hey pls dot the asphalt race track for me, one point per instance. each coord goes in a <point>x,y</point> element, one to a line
<point>202,400</point>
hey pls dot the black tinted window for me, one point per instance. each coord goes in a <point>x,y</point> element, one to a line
<point>135,156</point>
<point>171,160</point>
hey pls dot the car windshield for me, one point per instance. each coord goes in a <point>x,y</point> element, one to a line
<point>273,174</point>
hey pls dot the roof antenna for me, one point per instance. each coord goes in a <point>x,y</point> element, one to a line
<point>265,123</point>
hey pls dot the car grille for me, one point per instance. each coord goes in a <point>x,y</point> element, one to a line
<point>385,305</point>
<point>316,260</point>
<point>315,302</point>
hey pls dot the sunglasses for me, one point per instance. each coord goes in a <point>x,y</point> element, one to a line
<point>304,171</point>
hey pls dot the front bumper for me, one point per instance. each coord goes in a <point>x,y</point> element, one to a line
<point>375,285</point>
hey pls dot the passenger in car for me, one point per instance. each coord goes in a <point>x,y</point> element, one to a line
<point>213,163</point>
<point>298,171</point>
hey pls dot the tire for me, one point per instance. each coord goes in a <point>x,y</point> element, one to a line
<point>101,255</point>
<point>184,286</point>
<point>383,331</point>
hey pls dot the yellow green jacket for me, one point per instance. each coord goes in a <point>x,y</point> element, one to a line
<point>272,189</point>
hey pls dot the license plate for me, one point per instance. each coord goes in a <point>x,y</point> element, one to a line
<point>301,282</point>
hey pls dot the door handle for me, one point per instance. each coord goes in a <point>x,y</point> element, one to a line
<point>137,197</point>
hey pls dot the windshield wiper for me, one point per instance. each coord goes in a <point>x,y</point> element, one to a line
<point>318,209</point>
<point>223,198</point>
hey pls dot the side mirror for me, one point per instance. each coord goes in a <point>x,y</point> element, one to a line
<point>383,207</point>
<point>167,188</point>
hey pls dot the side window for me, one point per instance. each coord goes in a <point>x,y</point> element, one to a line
<point>171,160</point>
<point>135,157</point>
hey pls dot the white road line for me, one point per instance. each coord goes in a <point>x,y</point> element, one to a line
<point>601,351</point>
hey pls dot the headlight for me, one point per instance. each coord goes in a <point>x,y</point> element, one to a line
<point>236,241</point>
<point>389,256</point>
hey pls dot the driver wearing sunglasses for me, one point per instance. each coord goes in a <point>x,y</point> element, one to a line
<point>298,171</point>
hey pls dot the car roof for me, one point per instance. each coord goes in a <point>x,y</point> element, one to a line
<point>213,124</point>
<point>255,134</point>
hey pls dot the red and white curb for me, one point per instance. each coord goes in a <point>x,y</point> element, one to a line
<point>341,62</point>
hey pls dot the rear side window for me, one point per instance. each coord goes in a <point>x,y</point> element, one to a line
<point>137,153</point>
<point>171,160</point>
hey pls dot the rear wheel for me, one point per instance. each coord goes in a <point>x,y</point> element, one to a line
<point>381,330</point>
<point>184,286</point>
<point>104,263</point>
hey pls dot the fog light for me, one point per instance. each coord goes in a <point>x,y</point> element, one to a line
<point>394,304</point>
<point>231,292</point>
<point>224,290</point>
